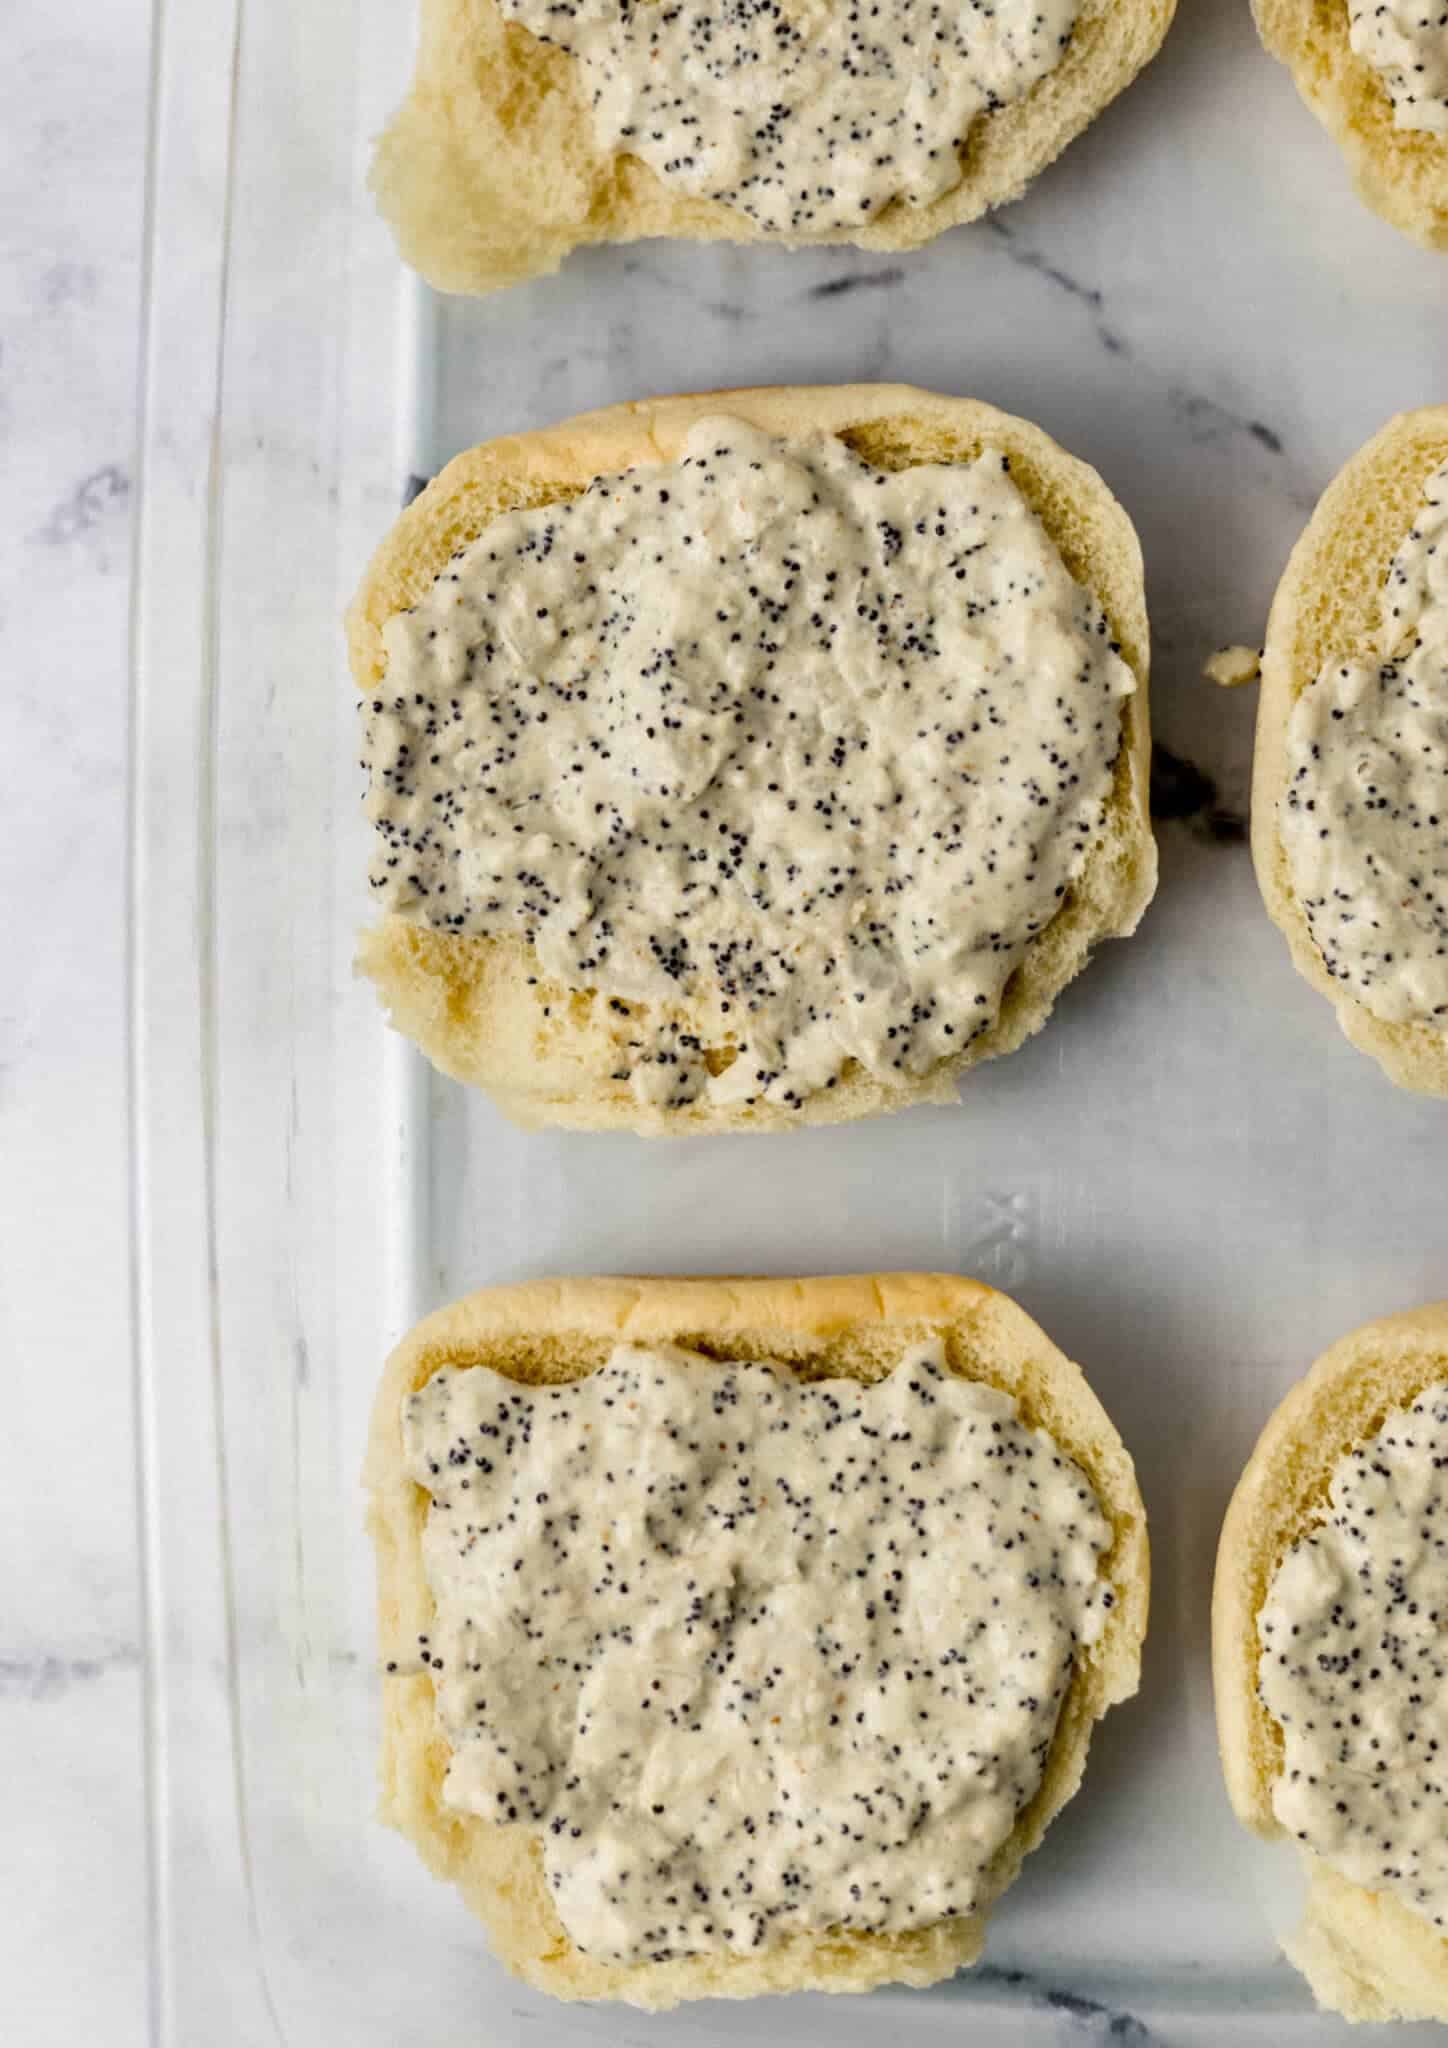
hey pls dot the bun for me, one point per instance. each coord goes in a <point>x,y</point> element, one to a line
<point>489,174</point>
<point>857,1328</point>
<point>1401,173</point>
<point>477,1006</point>
<point>1364,1953</point>
<point>1327,604</point>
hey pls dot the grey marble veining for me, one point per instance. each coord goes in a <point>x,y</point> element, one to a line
<point>1085,2019</point>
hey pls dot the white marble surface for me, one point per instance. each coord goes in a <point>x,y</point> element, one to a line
<point>72,131</point>
<point>1193,300</point>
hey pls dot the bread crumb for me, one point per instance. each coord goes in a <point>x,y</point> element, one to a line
<point>1230,667</point>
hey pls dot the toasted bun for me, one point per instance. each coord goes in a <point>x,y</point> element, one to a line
<point>1401,173</point>
<point>477,1007</point>
<point>549,1331</point>
<point>1364,1953</point>
<point>1326,605</point>
<point>488,173</point>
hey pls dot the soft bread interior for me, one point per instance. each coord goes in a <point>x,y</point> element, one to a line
<point>1401,173</point>
<point>545,1332</point>
<point>1365,1954</point>
<point>549,1053</point>
<point>1328,604</point>
<point>489,173</point>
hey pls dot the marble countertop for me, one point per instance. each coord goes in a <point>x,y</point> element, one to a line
<point>72,155</point>
<point>1193,300</point>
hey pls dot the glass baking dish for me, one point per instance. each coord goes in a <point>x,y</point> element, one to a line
<point>1190,1178</point>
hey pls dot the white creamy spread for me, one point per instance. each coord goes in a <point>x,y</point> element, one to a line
<point>806,115</point>
<point>755,1656</point>
<point>1364,815</point>
<point>797,752</point>
<point>1354,1665</point>
<point>1407,42</point>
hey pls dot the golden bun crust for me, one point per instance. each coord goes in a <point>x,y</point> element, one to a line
<point>1326,605</point>
<point>1365,1954</point>
<point>857,1327</point>
<point>478,1008</point>
<point>488,173</point>
<point>1400,173</point>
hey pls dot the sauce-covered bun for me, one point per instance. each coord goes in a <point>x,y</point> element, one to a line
<point>745,1635</point>
<point>1350,777</point>
<point>750,760</point>
<point>1330,1661</point>
<point>534,127</point>
<point>1375,73</point>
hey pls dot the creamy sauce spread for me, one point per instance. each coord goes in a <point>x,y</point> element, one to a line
<point>799,753</point>
<point>806,115</point>
<point>1406,41</point>
<point>1364,816</point>
<point>1354,1666</point>
<point>755,1656</point>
